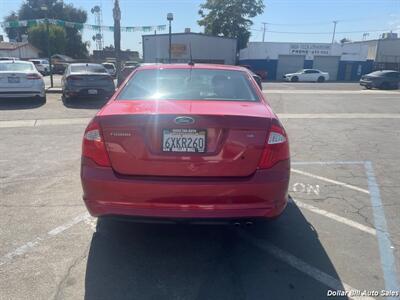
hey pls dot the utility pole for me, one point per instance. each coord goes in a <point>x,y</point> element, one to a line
<point>334,31</point>
<point>46,9</point>
<point>117,38</point>
<point>264,29</point>
<point>170,17</point>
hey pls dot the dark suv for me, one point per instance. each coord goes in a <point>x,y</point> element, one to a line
<point>386,79</point>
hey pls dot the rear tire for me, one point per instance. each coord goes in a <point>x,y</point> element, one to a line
<point>43,100</point>
<point>321,79</point>
<point>294,79</point>
<point>65,99</point>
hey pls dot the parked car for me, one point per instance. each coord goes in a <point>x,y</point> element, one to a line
<point>42,65</point>
<point>126,71</point>
<point>257,79</point>
<point>385,79</point>
<point>307,75</point>
<point>60,63</point>
<point>131,63</point>
<point>85,80</point>
<point>110,67</point>
<point>186,142</point>
<point>20,79</point>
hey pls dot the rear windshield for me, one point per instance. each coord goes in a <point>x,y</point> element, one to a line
<point>188,84</point>
<point>16,67</point>
<point>89,68</point>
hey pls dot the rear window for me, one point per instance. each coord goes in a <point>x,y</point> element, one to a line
<point>88,68</point>
<point>188,84</point>
<point>16,67</point>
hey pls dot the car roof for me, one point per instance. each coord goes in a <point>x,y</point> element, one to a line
<point>195,66</point>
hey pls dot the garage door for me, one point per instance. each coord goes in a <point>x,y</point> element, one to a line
<point>328,64</point>
<point>289,64</point>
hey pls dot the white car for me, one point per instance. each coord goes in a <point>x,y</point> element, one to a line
<point>307,75</point>
<point>42,65</point>
<point>20,79</point>
<point>110,67</point>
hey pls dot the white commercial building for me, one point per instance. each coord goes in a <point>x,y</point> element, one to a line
<point>203,48</point>
<point>346,61</point>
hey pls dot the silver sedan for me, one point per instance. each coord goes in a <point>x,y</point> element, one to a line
<point>20,79</point>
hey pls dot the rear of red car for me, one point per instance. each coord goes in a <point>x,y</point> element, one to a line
<point>188,142</point>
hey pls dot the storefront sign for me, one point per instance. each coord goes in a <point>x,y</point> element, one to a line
<point>310,49</point>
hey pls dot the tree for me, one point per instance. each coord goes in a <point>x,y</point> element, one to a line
<point>345,40</point>
<point>56,9</point>
<point>37,36</point>
<point>230,18</point>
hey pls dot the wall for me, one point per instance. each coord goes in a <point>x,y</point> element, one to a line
<point>204,48</point>
<point>388,51</point>
<point>23,52</point>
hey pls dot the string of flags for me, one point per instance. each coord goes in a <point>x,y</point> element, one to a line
<point>79,26</point>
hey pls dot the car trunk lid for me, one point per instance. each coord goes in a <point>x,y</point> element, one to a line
<point>135,131</point>
<point>15,80</point>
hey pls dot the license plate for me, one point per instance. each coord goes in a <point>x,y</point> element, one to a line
<point>92,92</point>
<point>184,140</point>
<point>13,79</point>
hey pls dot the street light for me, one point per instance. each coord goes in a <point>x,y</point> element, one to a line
<point>170,17</point>
<point>46,9</point>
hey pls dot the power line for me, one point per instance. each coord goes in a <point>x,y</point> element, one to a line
<point>326,32</point>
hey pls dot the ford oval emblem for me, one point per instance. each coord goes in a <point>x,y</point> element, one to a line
<point>184,120</point>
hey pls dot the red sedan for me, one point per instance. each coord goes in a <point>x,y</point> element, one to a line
<point>186,142</point>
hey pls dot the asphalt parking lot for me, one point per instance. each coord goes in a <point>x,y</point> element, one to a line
<point>340,232</point>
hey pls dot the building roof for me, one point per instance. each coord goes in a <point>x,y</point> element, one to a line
<point>12,46</point>
<point>195,66</point>
<point>188,33</point>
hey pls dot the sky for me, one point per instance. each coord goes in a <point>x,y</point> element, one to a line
<point>287,20</point>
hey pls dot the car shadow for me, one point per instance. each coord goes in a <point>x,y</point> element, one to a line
<point>148,261</point>
<point>85,103</point>
<point>16,104</point>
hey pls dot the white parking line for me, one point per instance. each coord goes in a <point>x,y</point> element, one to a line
<point>335,217</point>
<point>300,265</point>
<point>29,245</point>
<point>330,92</point>
<point>339,116</point>
<point>43,122</point>
<point>349,186</point>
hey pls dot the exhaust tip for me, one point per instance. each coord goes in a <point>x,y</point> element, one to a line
<point>237,224</point>
<point>249,223</point>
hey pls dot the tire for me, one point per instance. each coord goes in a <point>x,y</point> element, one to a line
<point>368,87</point>
<point>42,100</point>
<point>294,79</point>
<point>321,79</point>
<point>65,99</point>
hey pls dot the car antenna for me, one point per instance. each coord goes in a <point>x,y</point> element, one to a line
<point>191,62</point>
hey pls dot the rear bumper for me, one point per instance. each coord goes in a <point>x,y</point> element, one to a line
<point>22,94</point>
<point>84,91</point>
<point>262,195</point>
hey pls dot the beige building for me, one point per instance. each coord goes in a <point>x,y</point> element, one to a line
<point>19,50</point>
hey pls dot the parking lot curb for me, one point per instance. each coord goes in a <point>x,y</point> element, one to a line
<point>53,90</point>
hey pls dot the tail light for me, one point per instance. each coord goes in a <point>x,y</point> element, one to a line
<point>93,145</point>
<point>33,76</point>
<point>276,148</point>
